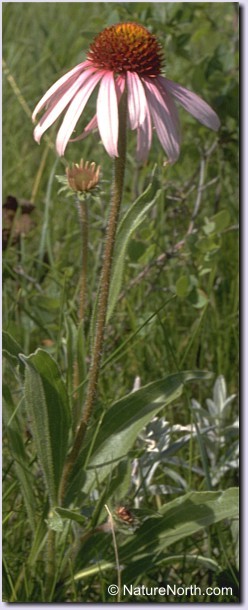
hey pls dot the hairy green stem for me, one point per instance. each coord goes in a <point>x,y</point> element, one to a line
<point>83,218</point>
<point>50,563</point>
<point>119,171</point>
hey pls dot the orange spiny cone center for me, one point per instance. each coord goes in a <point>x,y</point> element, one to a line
<point>127,47</point>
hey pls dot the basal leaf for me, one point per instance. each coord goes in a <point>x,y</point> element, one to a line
<point>47,403</point>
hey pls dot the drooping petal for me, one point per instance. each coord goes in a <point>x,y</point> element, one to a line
<point>59,83</point>
<point>90,127</point>
<point>136,100</point>
<point>58,103</point>
<point>194,104</point>
<point>144,138</point>
<point>120,86</point>
<point>165,118</point>
<point>75,110</point>
<point>107,114</point>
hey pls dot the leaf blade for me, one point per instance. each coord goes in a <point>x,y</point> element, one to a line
<point>126,418</point>
<point>130,222</point>
<point>47,402</point>
<point>180,518</point>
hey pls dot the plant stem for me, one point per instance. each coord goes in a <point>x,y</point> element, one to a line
<point>50,564</point>
<point>118,568</point>
<point>83,218</point>
<point>119,171</point>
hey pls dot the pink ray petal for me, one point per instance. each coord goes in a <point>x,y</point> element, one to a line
<point>194,104</point>
<point>144,138</point>
<point>165,118</point>
<point>75,110</point>
<point>58,103</point>
<point>136,100</point>
<point>59,83</point>
<point>90,127</point>
<point>120,86</point>
<point>107,114</point>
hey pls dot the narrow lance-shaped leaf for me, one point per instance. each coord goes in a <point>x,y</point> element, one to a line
<point>142,565</point>
<point>126,418</point>
<point>47,403</point>
<point>15,436</point>
<point>11,350</point>
<point>132,219</point>
<point>181,518</point>
<point>176,520</point>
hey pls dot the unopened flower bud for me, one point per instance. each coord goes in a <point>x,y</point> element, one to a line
<point>83,176</point>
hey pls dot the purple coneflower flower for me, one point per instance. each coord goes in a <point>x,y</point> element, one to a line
<point>122,57</point>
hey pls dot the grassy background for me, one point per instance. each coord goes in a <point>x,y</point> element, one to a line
<point>198,327</point>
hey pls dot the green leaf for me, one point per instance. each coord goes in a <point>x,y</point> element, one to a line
<point>76,345</point>
<point>126,418</point>
<point>136,249</point>
<point>47,403</point>
<point>198,298</point>
<point>133,218</point>
<point>98,568</point>
<point>39,536</point>
<point>54,522</point>
<point>143,564</point>
<point>16,437</point>
<point>221,220</point>
<point>181,518</point>
<point>209,227</point>
<point>208,244</point>
<point>11,350</point>
<point>49,304</point>
<point>72,515</point>
<point>176,520</point>
<point>183,286</point>
<point>217,223</point>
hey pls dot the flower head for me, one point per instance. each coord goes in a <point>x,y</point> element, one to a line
<point>83,176</point>
<point>122,57</point>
